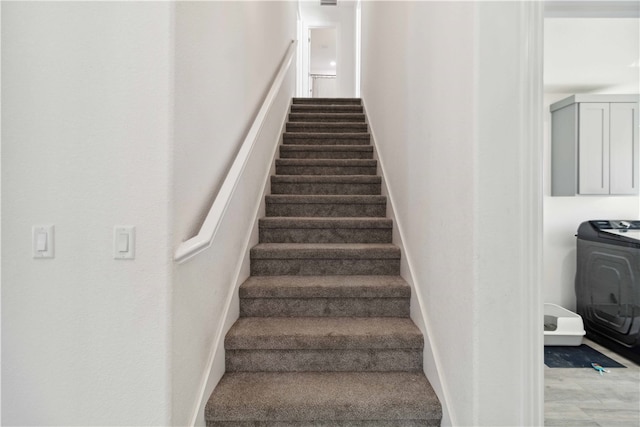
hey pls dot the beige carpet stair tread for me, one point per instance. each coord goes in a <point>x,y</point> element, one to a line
<point>324,222</point>
<point>323,396</point>
<point>325,251</point>
<point>360,179</point>
<point>327,198</point>
<point>327,101</point>
<point>323,333</point>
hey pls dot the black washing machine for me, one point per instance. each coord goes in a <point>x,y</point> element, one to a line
<point>608,283</point>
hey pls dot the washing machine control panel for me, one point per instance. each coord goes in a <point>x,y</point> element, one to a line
<point>616,224</point>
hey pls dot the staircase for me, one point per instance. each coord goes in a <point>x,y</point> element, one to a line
<point>324,336</point>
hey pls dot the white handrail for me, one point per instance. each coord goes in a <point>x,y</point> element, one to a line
<point>203,240</point>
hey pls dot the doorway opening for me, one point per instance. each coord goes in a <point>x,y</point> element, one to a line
<point>323,63</point>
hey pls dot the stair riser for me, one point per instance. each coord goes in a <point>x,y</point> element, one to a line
<point>365,360</point>
<point>326,154</point>
<point>326,210</point>
<point>325,235</point>
<point>331,210</point>
<point>301,108</point>
<point>325,287</point>
<point>326,117</point>
<point>326,101</point>
<point>313,267</point>
<point>326,127</point>
<point>310,139</point>
<point>327,423</point>
<point>325,170</point>
<point>325,188</point>
<point>324,307</point>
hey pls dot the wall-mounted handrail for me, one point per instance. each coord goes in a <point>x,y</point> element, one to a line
<point>203,240</point>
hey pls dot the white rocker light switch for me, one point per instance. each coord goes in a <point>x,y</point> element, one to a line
<point>124,242</point>
<point>42,236</point>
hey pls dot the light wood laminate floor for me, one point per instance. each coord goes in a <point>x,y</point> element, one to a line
<point>582,397</point>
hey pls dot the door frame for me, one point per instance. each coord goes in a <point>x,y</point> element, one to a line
<point>304,54</point>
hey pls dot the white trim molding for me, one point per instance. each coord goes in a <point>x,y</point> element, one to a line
<point>531,160</point>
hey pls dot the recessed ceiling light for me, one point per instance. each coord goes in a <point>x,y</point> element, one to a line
<point>332,63</point>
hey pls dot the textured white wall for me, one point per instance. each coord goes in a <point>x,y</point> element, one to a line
<point>442,83</point>
<point>227,55</point>
<point>399,96</point>
<point>86,96</point>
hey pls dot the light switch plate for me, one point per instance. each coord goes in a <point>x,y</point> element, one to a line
<point>124,242</point>
<point>42,241</point>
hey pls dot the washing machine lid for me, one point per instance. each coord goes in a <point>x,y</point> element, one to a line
<point>616,232</point>
<point>628,234</point>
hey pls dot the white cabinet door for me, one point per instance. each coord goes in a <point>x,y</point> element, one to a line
<point>593,149</point>
<point>623,149</point>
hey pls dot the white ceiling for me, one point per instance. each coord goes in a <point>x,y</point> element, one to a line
<point>591,55</point>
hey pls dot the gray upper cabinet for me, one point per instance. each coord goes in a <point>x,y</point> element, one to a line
<point>594,145</point>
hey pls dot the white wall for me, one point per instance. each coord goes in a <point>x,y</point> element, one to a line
<point>125,114</point>
<point>343,18</point>
<point>582,55</point>
<point>445,88</point>
<point>227,55</point>
<point>87,104</point>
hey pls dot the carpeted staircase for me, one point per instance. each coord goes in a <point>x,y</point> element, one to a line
<point>324,336</point>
